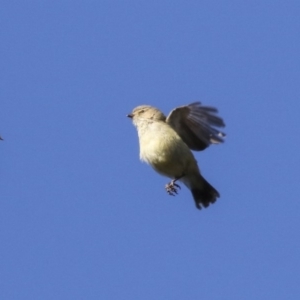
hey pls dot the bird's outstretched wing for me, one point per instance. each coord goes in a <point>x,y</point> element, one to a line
<point>195,124</point>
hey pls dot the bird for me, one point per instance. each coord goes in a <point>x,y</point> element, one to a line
<point>166,144</point>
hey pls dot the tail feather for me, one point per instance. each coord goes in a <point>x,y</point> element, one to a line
<point>205,195</point>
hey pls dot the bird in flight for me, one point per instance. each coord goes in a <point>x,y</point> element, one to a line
<point>166,144</point>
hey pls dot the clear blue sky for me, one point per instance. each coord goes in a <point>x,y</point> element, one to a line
<point>81,217</point>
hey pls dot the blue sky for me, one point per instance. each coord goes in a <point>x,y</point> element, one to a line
<point>80,216</point>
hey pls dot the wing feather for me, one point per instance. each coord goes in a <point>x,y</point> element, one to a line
<point>195,124</point>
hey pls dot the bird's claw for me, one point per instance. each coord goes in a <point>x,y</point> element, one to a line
<point>172,187</point>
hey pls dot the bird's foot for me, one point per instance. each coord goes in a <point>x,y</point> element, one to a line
<point>172,187</point>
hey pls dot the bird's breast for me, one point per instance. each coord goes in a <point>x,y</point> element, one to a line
<point>164,150</point>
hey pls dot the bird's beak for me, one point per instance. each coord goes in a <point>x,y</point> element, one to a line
<point>130,116</point>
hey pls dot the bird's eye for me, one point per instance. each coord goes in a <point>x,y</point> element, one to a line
<point>142,111</point>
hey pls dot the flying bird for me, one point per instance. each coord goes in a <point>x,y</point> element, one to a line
<point>166,144</point>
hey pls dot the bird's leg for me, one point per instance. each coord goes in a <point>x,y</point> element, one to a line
<point>172,187</point>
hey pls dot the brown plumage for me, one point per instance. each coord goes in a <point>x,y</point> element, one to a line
<point>166,144</point>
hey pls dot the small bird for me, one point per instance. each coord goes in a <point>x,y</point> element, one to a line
<point>166,144</point>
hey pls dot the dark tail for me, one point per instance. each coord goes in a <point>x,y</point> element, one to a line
<point>205,195</point>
